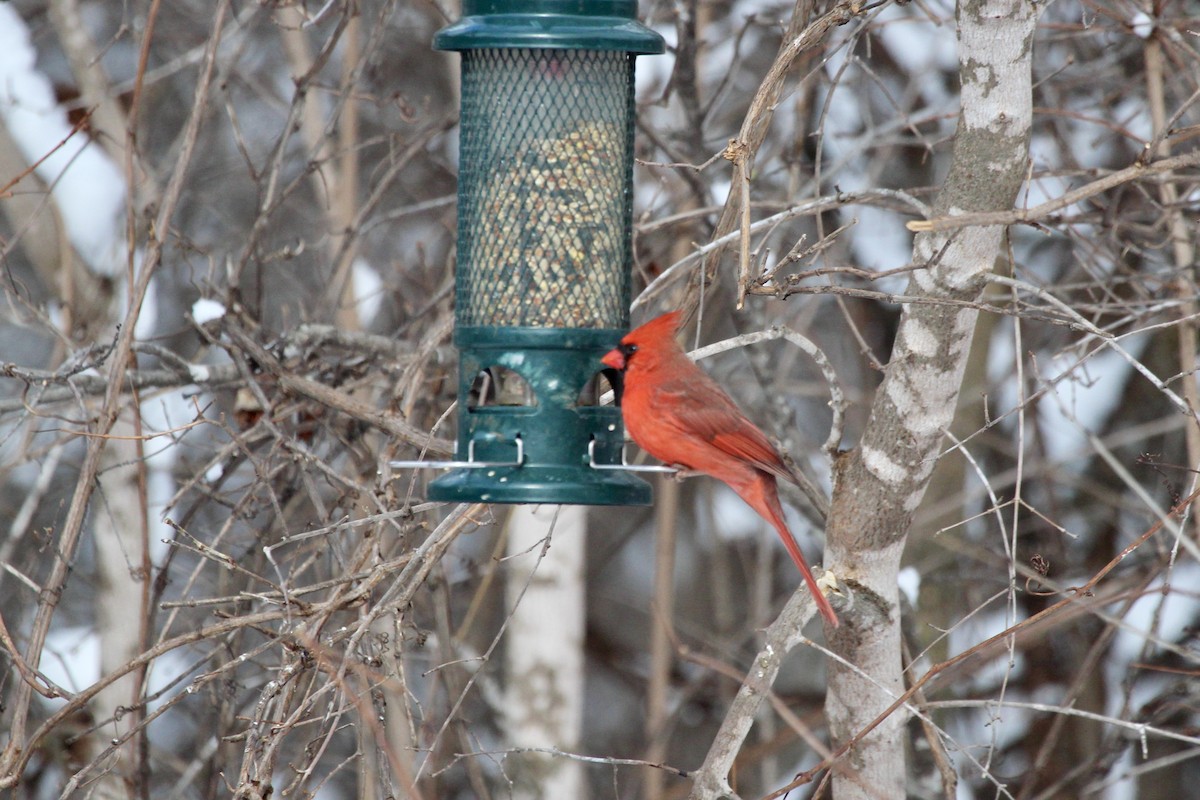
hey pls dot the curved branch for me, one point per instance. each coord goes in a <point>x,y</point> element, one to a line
<point>782,636</point>
<point>837,398</point>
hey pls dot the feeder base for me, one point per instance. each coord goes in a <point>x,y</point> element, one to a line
<point>536,484</point>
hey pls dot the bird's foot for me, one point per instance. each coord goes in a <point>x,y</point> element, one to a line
<point>682,473</point>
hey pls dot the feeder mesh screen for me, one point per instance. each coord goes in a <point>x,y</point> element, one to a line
<point>544,188</point>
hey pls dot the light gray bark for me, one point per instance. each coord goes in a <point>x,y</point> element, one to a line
<point>543,697</point>
<point>120,536</point>
<point>880,484</point>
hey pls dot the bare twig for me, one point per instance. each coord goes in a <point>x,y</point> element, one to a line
<point>1136,171</point>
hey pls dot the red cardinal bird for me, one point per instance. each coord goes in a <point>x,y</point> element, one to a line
<point>679,415</point>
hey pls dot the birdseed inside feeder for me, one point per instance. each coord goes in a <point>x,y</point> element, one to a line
<point>544,247</point>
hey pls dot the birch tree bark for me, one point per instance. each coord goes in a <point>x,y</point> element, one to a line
<point>120,529</point>
<point>881,483</point>
<point>121,557</point>
<point>543,700</point>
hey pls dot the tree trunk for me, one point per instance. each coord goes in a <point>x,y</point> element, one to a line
<point>543,701</point>
<point>880,485</point>
<point>119,532</point>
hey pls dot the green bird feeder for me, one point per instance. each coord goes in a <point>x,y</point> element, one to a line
<point>544,248</point>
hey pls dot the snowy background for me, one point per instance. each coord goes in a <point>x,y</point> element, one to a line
<point>247,549</point>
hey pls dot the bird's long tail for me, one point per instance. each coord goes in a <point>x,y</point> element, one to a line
<point>773,512</point>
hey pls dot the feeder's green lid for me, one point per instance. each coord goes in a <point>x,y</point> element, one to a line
<point>557,24</point>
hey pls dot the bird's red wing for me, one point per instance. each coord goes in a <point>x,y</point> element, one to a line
<point>706,412</point>
<point>749,443</point>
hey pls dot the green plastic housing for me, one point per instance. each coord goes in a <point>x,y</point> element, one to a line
<point>555,433</point>
<point>544,243</point>
<point>558,24</point>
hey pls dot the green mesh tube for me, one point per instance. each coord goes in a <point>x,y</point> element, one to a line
<point>544,188</point>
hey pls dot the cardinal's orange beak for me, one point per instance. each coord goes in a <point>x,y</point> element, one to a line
<point>613,358</point>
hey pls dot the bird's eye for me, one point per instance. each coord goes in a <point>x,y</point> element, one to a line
<point>628,349</point>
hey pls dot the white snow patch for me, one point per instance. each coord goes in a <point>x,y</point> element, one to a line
<point>147,319</point>
<point>368,290</point>
<point>86,185</point>
<point>1047,156</point>
<point>1177,611</point>
<point>1090,395</point>
<point>450,146</point>
<point>168,414</point>
<point>1133,113</point>
<point>1090,145</point>
<point>920,46</point>
<point>881,241</point>
<point>1142,24</point>
<point>1125,785</point>
<point>980,627</point>
<point>721,187</point>
<point>652,73</point>
<point>1001,355</point>
<point>909,581</point>
<point>734,519</point>
<point>205,310</point>
<point>71,658</point>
